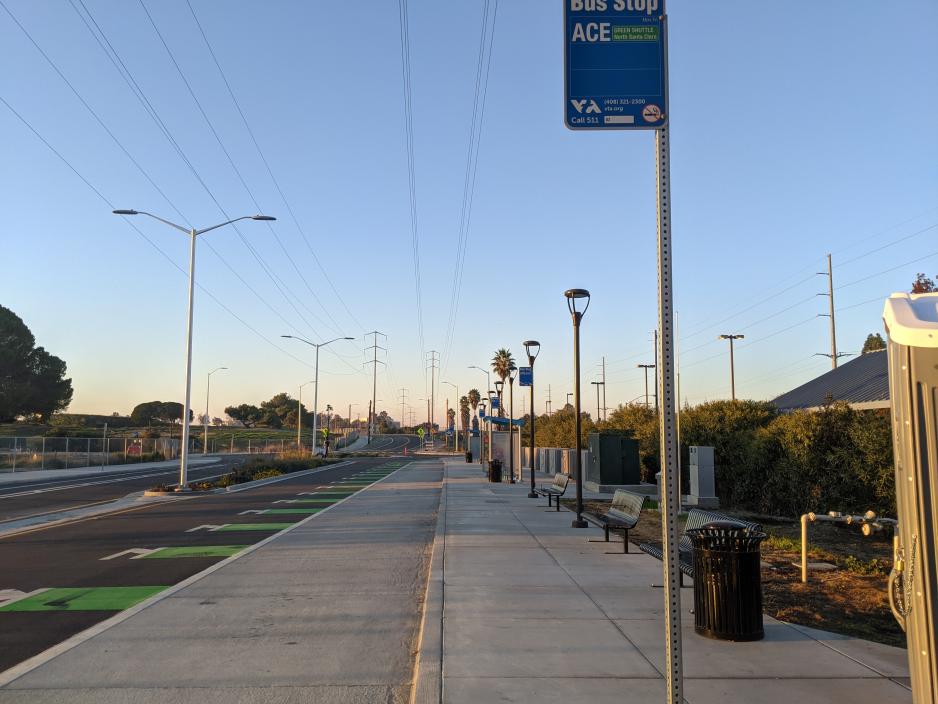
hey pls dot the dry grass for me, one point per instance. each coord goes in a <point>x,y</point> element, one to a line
<point>851,600</point>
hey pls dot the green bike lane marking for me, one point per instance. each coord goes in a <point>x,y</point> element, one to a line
<point>84,599</point>
<point>234,527</point>
<point>195,551</point>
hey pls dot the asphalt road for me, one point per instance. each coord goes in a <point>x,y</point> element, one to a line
<point>393,443</point>
<point>23,499</point>
<point>70,559</point>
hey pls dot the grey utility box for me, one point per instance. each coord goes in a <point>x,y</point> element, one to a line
<point>614,460</point>
<point>912,326</point>
<point>702,478</point>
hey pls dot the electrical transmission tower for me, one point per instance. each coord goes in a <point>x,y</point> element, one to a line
<point>373,411</point>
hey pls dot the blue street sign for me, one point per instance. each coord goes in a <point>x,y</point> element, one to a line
<point>525,376</point>
<point>494,403</point>
<point>615,70</point>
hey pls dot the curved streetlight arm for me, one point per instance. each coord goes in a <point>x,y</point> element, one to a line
<point>155,217</point>
<point>215,227</point>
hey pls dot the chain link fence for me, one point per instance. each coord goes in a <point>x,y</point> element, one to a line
<point>30,453</point>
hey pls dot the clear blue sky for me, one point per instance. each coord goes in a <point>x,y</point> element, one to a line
<point>798,128</point>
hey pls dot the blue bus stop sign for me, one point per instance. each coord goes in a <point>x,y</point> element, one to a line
<point>525,376</point>
<point>615,71</point>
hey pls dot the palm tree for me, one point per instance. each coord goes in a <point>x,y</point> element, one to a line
<point>464,412</point>
<point>474,398</point>
<point>503,364</point>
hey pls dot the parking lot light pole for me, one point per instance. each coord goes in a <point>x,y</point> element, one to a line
<point>533,349</point>
<point>573,295</point>
<point>193,234</point>
<point>208,386</point>
<point>481,432</point>
<point>315,377</point>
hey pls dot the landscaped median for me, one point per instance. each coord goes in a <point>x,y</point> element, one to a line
<point>251,471</point>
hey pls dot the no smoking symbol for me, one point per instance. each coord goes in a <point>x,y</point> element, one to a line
<point>652,113</point>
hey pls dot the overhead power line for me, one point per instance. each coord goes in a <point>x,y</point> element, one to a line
<point>335,326</point>
<point>270,172</point>
<point>149,241</point>
<point>411,169</point>
<point>472,163</point>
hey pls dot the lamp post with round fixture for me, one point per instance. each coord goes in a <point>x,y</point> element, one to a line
<point>533,349</point>
<point>573,295</point>
<point>193,234</point>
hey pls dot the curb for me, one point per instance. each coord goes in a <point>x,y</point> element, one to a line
<point>427,687</point>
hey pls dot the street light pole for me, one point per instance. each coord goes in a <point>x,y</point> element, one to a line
<point>459,412</point>
<point>511,426</point>
<point>597,384</point>
<point>193,234</point>
<point>315,378</point>
<point>533,348</point>
<point>299,419</point>
<point>573,295</point>
<point>208,386</point>
<point>731,338</point>
<point>488,386</point>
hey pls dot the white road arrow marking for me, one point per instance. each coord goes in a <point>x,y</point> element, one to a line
<point>206,526</point>
<point>8,596</point>
<point>251,510</point>
<point>136,552</point>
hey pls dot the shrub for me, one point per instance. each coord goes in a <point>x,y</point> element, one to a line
<point>266,474</point>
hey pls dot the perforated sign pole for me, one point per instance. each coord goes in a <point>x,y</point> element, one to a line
<point>667,420</point>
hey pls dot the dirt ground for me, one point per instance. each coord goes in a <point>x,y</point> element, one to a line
<point>851,600</point>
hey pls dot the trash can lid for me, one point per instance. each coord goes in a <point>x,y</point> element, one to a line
<point>912,319</point>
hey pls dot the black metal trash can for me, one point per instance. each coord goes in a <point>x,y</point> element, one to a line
<point>469,456</point>
<point>727,581</point>
<point>495,471</point>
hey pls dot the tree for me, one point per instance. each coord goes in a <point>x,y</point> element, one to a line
<point>503,364</point>
<point>464,413</point>
<point>874,342</point>
<point>32,381</point>
<point>474,399</point>
<point>923,284</point>
<point>246,414</point>
<point>146,413</point>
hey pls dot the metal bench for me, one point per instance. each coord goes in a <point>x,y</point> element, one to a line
<point>622,515</point>
<point>696,518</point>
<point>555,490</point>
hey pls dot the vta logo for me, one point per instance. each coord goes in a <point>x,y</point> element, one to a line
<point>587,106</point>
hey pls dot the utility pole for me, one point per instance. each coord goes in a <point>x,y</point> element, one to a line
<point>548,399</point>
<point>830,294</point>
<point>374,381</point>
<point>433,363</point>
<point>731,338</point>
<point>403,405</point>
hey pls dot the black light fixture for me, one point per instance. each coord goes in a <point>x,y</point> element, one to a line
<point>532,348</point>
<point>573,296</point>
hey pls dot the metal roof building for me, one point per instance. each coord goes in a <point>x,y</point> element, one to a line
<point>862,382</point>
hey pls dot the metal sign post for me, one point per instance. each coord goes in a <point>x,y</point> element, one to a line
<point>616,77</point>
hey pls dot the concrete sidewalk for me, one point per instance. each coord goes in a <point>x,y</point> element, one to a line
<point>328,611</point>
<point>521,608</point>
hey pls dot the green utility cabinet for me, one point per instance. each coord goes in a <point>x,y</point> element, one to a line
<point>613,459</point>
